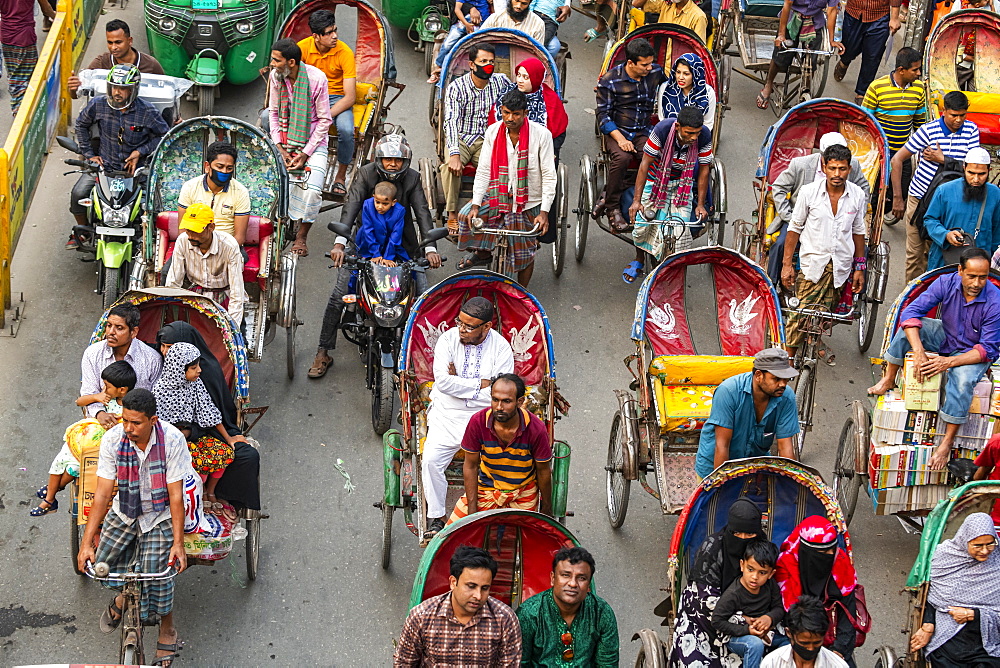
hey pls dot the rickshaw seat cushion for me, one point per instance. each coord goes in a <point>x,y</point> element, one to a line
<point>698,369</point>
<point>259,232</point>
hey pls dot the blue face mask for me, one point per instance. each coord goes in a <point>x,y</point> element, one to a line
<point>221,178</point>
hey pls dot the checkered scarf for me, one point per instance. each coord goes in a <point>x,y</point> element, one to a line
<point>129,499</point>
<point>499,199</point>
<point>661,188</point>
<point>295,112</point>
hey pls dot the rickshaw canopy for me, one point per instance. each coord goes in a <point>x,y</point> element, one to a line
<point>512,46</point>
<point>746,304</point>
<point>161,306</point>
<point>798,132</point>
<point>520,318</point>
<point>520,540</point>
<point>670,42</point>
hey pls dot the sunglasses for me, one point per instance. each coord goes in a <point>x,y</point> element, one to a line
<point>567,639</point>
<point>121,136</point>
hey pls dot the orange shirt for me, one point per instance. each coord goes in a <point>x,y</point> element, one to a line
<point>337,63</point>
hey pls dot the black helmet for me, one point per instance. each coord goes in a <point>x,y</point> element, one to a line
<point>392,146</point>
<point>124,76</point>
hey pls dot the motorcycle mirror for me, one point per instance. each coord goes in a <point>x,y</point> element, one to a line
<point>339,228</point>
<point>436,234</point>
<point>68,144</point>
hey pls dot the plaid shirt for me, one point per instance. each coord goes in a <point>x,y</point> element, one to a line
<point>626,104</point>
<point>467,109</point>
<point>433,637</point>
<point>869,11</point>
<point>140,127</point>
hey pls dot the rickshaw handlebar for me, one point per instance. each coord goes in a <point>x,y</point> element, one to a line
<point>102,572</point>
<point>849,317</point>
<point>479,225</point>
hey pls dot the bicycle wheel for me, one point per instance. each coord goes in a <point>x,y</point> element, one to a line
<point>618,484</point>
<point>387,512</point>
<point>252,547</point>
<point>866,323</point>
<point>846,481</point>
<point>584,205</point>
<point>561,204</point>
<point>651,654</point>
<point>805,391</point>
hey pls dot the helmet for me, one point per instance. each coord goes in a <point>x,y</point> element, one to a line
<point>392,146</point>
<point>123,76</point>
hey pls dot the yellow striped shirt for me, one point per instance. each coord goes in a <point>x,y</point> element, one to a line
<point>899,110</point>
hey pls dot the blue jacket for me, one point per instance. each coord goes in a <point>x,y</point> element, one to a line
<point>949,210</point>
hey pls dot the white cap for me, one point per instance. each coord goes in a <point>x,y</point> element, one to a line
<point>831,139</point>
<point>977,156</point>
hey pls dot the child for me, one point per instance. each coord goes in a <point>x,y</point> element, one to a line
<point>183,400</point>
<point>751,607</point>
<point>380,236</point>
<point>119,378</point>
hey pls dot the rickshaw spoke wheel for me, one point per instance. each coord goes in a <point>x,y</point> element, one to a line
<point>387,512</point>
<point>846,480</point>
<point>252,548</point>
<point>804,392</point>
<point>651,654</point>
<point>618,484</point>
<point>866,323</point>
<point>74,542</point>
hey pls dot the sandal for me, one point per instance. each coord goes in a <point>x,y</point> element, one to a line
<point>300,248</point>
<point>840,71</point>
<point>825,353</point>
<point>108,620</point>
<point>434,78</point>
<point>472,260</point>
<point>763,102</point>
<point>38,511</point>
<point>173,648</point>
<point>339,189</point>
<point>632,272</point>
<point>42,492</point>
<point>320,366</point>
<point>592,34</point>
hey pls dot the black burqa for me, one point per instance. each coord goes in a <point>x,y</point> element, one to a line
<point>240,484</point>
<point>744,517</point>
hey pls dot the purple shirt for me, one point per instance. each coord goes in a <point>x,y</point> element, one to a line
<point>967,325</point>
<point>17,26</point>
<point>320,107</point>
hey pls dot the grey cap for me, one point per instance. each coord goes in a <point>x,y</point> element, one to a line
<point>774,361</point>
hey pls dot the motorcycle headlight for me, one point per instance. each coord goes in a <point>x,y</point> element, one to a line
<point>387,313</point>
<point>432,23</point>
<point>167,24</point>
<point>116,217</point>
<point>244,27</point>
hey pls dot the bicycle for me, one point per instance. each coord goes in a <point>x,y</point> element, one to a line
<point>817,321</point>
<point>501,249</point>
<point>131,652</point>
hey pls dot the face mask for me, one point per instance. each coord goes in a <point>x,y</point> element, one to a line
<point>220,178</point>
<point>484,71</point>
<point>804,653</point>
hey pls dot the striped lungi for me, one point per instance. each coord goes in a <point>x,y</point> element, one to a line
<point>521,250</point>
<point>305,197</point>
<point>822,292</point>
<point>21,62</point>
<point>123,544</point>
<point>522,498</point>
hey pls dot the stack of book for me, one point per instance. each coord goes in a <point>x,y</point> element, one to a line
<point>901,499</point>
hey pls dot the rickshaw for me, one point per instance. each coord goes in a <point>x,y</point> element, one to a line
<point>657,425</point>
<point>669,42</point>
<point>942,523</point>
<point>786,491</point>
<point>798,133</point>
<point>523,543</point>
<point>159,307</point>
<point>208,41</point>
<point>946,47</point>
<point>512,46</point>
<point>753,25</point>
<point>522,321</point>
<point>269,272</point>
<point>376,69</point>
<point>854,467</point>
<point>922,16</point>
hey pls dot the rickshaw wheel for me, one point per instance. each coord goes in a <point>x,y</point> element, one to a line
<point>559,245</point>
<point>866,323</point>
<point>805,391</point>
<point>74,543</point>
<point>206,100</point>
<point>382,393</point>
<point>290,351</point>
<point>387,512</point>
<point>846,481</point>
<point>885,657</point>
<point>617,482</point>
<point>651,653</point>
<point>584,205</point>
<point>432,110</point>
<point>253,547</point>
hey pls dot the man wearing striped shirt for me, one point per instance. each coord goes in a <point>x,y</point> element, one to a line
<point>899,102</point>
<point>948,138</point>
<point>467,103</point>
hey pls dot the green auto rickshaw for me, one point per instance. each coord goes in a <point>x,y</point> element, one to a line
<point>208,41</point>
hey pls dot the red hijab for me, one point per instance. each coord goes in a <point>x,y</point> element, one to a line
<point>813,534</point>
<point>556,119</point>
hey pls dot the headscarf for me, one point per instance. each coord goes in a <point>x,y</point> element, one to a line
<point>744,517</point>
<point>674,99</point>
<point>803,569</point>
<point>958,579</point>
<point>211,371</point>
<point>545,107</point>
<point>179,399</point>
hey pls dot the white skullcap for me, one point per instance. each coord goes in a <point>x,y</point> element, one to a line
<point>831,139</point>
<point>977,156</point>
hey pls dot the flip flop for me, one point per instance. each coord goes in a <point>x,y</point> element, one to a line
<point>592,34</point>
<point>473,260</point>
<point>339,189</point>
<point>299,248</point>
<point>826,354</point>
<point>632,272</point>
<point>840,71</point>
<point>109,623</point>
<point>763,102</point>
<point>434,78</point>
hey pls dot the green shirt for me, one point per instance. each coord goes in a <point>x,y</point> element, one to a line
<point>594,629</point>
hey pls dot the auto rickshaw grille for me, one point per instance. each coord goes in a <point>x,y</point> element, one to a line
<point>256,15</point>
<point>155,12</point>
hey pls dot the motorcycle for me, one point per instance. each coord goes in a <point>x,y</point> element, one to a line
<point>113,219</point>
<point>374,317</point>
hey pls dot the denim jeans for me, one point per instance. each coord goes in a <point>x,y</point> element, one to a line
<point>553,46</point>
<point>455,33</point>
<point>751,648</point>
<point>345,132</point>
<point>867,40</point>
<point>959,381</point>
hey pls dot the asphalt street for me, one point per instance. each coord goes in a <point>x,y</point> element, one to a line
<point>321,597</point>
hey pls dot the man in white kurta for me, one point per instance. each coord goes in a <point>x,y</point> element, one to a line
<point>466,359</point>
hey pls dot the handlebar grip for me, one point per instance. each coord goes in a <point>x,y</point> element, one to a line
<point>78,163</point>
